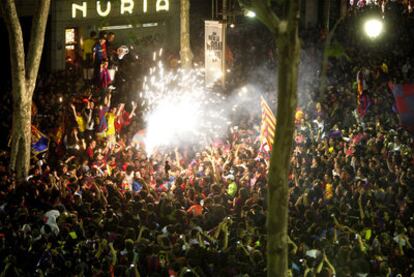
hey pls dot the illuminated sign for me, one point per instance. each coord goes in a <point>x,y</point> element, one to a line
<point>103,8</point>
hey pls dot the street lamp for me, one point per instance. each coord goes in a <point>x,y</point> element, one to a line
<point>249,13</point>
<point>373,27</point>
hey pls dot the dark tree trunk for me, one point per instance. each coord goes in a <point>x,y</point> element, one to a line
<point>186,54</point>
<point>288,47</point>
<point>21,134</point>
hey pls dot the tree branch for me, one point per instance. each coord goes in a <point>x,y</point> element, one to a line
<point>294,16</point>
<point>332,31</point>
<point>264,13</point>
<point>37,39</point>
<point>9,13</point>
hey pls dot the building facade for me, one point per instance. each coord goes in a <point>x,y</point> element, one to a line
<point>143,24</point>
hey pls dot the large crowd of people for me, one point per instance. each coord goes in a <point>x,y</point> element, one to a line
<point>96,204</point>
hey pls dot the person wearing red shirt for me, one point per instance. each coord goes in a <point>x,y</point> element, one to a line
<point>90,150</point>
<point>124,118</point>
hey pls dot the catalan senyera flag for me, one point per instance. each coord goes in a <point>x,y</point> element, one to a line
<point>267,130</point>
<point>40,142</point>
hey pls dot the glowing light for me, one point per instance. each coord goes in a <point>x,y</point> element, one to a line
<point>77,7</point>
<point>99,9</point>
<point>126,6</point>
<point>151,24</point>
<point>116,27</point>
<point>250,14</point>
<point>218,74</point>
<point>373,27</point>
<point>179,109</point>
<point>232,25</point>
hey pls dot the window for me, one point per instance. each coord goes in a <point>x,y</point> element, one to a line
<point>70,36</point>
<point>71,45</point>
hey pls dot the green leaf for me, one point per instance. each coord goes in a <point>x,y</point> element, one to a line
<point>336,50</point>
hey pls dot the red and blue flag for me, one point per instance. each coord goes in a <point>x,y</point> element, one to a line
<point>404,102</point>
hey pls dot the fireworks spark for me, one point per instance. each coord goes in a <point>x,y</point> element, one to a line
<point>178,109</point>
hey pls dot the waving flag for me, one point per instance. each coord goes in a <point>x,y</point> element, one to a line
<point>139,138</point>
<point>404,101</point>
<point>58,137</point>
<point>40,142</point>
<point>267,130</point>
<point>364,102</point>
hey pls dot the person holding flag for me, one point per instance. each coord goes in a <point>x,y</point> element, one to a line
<point>362,97</point>
<point>102,120</point>
<point>40,142</point>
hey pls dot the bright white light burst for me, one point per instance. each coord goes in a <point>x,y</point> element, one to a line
<point>179,109</point>
<point>373,27</point>
<point>250,14</point>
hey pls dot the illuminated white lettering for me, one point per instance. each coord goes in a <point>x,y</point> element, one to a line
<point>99,8</point>
<point>162,5</point>
<point>82,8</point>
<point>127,6</point>
<point>145,6</point>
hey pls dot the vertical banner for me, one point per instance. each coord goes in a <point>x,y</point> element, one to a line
<point>214,52</point>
